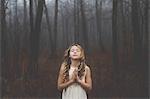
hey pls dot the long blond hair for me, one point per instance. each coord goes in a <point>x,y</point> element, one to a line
<point>67,62</point>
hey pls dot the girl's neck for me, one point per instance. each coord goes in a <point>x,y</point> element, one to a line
<point>75,63</point>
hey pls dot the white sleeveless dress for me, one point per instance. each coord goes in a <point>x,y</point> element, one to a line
<point>74,91</point>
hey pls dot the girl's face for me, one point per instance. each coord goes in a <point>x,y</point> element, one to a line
<point>75,52</point>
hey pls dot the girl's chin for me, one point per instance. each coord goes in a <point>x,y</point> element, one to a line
<point>76,58</point>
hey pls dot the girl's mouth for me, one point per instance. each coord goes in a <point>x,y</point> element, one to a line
<point>75,55</point>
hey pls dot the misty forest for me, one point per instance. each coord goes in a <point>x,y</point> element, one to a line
<point>35,34</point>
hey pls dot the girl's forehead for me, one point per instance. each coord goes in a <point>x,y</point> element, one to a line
<point>74,47</point>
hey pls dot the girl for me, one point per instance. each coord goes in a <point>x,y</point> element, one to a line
<point>74,78</point>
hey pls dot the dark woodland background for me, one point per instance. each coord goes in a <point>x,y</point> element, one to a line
<point>35,34</point>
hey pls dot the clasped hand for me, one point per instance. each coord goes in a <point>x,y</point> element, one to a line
<point>75,76</point>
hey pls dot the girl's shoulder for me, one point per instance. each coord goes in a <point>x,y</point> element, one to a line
<point>87,68</point>
<point>63,66</point>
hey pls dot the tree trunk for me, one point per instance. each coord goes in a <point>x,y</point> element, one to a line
<point>146,37</point>
<point>55,28</point>
<point>136,31</point>
<point>146,49</point>
<point>25,42</point>
<point>36,4</point>
<point>84,32</point>
<point>35,39</point>
<point>30,68</point>
<point>49,26</point>
<point>76,21</point>
<point>124,33</point>
<point>3,39</point>
<point>17,42</point>
<point>25,24</point>
<point>98,5</point>
<point>31,16</point>
<point>115,40</point>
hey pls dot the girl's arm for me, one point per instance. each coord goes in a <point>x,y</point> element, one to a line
<point>61,84</point>
<point>87,85</point>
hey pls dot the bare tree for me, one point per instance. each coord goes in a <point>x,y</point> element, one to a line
<point>136,31</point>
<point>65,22</point>
<point>49,25</point>
<point>17,42</point>
<point>84,31</point>
<point>25,24</point>
<point>124,30</point>
<point>98,5</point>
<point>3,38</point>
<point>115,39</point>
<point>34,40</point>
<point>146,14</point>
<point>31,16</point>
<point>76,21</point>
<point>55,27</point>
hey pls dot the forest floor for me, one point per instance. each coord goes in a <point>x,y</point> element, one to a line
<point>131,83</point>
